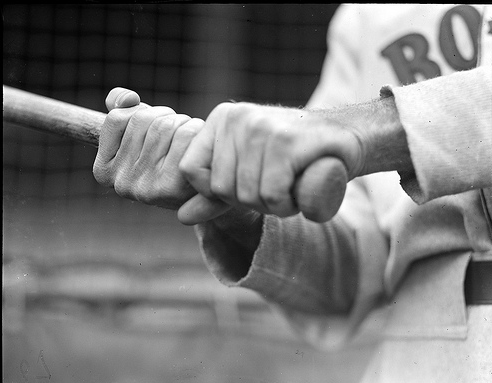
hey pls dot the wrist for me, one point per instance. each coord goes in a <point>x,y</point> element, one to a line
<point>382,139</point>
<point>387,146</point>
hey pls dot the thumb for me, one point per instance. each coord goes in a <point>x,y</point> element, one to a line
<point>200,209</point>
<point>121,98</point>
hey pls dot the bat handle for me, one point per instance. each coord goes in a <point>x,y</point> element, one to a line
<point>320,189</point>
<point>45,114</point>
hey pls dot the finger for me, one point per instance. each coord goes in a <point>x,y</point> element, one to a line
<point>196,161</point>
<point>277,180</point>
<point>112,132</point>
<point>136,130</point>
<point>199,209</point>
<point>223,169</point>
<point>184,134</point>
<point>121,98</point>
<point>248,175</point>
<point>319,191</point>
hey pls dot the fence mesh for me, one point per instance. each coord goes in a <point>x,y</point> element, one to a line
<point>189,57</point>
<point>67,237</point>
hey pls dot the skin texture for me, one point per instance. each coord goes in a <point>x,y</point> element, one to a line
<point>249,155</point>
<point>245,160</point>
<point>253,156</point>
<point>140,148</point>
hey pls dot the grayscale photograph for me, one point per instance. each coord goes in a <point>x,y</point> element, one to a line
<point>247,193</point>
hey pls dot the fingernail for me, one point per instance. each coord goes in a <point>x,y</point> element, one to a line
<point>127,99</point>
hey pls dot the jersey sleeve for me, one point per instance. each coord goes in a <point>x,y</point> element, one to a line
<point>448,123</point>
<point>324,278</point>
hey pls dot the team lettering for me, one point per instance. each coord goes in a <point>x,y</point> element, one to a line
<point>410,67</point>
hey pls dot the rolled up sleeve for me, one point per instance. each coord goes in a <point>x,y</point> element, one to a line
<point>324,278</point>
<point>448,123</point>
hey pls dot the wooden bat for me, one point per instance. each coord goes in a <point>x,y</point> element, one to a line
<point>319,190</point>
<point>30,110</point>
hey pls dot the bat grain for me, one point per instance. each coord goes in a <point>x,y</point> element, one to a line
<point>45,114</point>
<point>319,189</point>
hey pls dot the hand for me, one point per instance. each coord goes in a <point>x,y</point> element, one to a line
<point>251,155</point>
<point>140,148</point>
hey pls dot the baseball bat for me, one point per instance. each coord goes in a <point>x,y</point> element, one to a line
<point>45,114</point>
<point>318,191</point>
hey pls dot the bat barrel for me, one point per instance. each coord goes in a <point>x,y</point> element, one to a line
<point>30,110</point>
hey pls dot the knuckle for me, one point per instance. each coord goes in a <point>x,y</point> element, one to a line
<point>144,193</point>
<point>159,131</point>
<point>185,167</point>
<point>170,125</point>
<point>102,174</point>
<point>115,118</point>
<point>186,131</point>
<point>220,190</point>
<point>123,188</point>
<point>142,114</point>
<point>147,115</point>
<point>247,197</point>
<point>162,110</point>
<point>189,177</point>
<point>259,120</point>
<point>262,126</point>
<point>163,122</point>
<point>243,110</point>
<point>173,189</point>
<point>158,127</point>
<point>272,198</point>
<point>247,187</point>
<point>283,137</point>
<point>224,110</point>
<point>224,107</point>
<point>196,124</point>
<point>183,134</point>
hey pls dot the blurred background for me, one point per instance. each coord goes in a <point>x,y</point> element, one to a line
<point>101,289</point>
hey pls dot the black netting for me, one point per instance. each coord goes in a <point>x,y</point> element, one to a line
<point>102,289</point>
<point>187,56</point>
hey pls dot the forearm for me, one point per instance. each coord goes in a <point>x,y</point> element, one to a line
<point>386,143</point>
<point>383,140</point>
<point>435,133</point>
<point>381,136</point>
